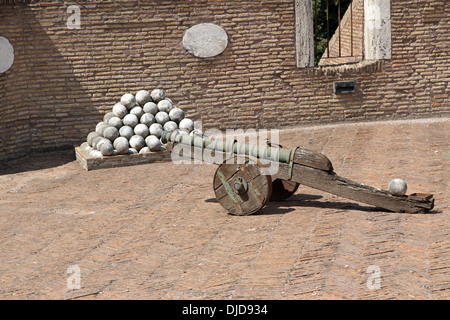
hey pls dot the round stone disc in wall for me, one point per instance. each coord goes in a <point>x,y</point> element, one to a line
<point>6,54</point>
<point>205,40</point>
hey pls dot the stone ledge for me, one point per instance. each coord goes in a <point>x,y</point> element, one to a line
<point>365,66</point>
<point>89,163</point>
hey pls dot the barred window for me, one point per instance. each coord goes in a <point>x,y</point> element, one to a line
<point>334,32</point>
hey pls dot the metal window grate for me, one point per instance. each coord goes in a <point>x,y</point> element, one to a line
<point>328,16</point>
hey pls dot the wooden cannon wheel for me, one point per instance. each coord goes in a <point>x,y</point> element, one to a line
<point>242,189</point>
<point>283,189</point>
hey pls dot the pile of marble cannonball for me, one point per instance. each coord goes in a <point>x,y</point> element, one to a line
<point>135,124</point>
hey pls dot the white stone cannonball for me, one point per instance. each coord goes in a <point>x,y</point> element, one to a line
<point>96,140</point>
<point>170,126</point>
<point>145,150</point>
<point>130,120</point>
<point>119,110</point>
<point>95,154</point>
<point>126,132</point>
<point>132,151</point>
<point>137,142</point>
<point>128,100</point>
<point>100,142</point>
<point>115,122</point>
<point>90,137</point>
<point>162,117</point>
<point>100,127</point>
<point>186,124</point>
<point>108,116</point>
<point>196,132</point>
<point>107,148</point>
<point>111,133</point>
<point>121,145</point>
<point>397,187</point>
<point>153,143</point>
<point>142,97</point>
<point>148,119</point>
<point>150,107</point>
<point>165,106</point>
<point>176,114</point>
<point>156,129</point>
<point>141,130</point>
<point>137,111</point>
<point>158,95</point>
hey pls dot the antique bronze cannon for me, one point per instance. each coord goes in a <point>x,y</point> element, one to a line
<point>243,187</point>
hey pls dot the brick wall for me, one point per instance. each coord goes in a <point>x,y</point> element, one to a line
<point>63,80</point>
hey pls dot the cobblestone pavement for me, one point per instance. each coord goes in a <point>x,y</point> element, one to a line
<point>156,231</point>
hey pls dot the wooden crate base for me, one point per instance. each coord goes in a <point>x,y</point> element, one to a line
<point>89,163</point>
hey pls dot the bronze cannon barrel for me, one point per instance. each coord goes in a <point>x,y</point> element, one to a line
<point>231,146</point>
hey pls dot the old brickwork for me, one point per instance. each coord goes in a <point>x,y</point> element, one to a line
<point>63,80</point>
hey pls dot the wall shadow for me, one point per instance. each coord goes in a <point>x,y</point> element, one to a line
<point>43,105</point>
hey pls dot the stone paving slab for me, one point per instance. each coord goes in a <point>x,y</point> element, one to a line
<point>155,231</point>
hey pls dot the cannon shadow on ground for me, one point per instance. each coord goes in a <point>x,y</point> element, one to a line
<point>309,201</point>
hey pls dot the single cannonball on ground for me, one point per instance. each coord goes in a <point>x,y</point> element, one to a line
<point>121,145</point>
<point>137,142</point>
<point>126,132</point>
<point>115,122</point>
<point>128,100</point>
<point>111,133</point>
<point>170,126</point>
<point>150,107</point>
<point>153,143</point>
<point>148,119</point>
<point>90,137</point>
<point>144,150</point>
<point>165,105</point>
<point>132,151</point>
<point>119,110</point>
<point>141,130</point>
<point>157,95</point>
<point>130,120</point>
<point>176,114</point>
<point>108,116</point>
<point>186,124</point>
<point>397,187</point>
<point>162,117</point>
<point>96,140</point>
<point>142,97</point>
<point>137,111</point>
<point>156,129</point>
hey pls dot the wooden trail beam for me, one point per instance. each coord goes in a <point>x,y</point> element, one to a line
<point>305,167</point>
<point>330,182</point>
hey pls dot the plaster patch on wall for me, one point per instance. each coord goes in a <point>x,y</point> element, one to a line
<point>6,54</point>
<point>377,29</point>
<point>205,40</point>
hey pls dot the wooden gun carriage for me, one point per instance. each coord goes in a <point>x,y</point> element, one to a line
<point>242,186</point>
